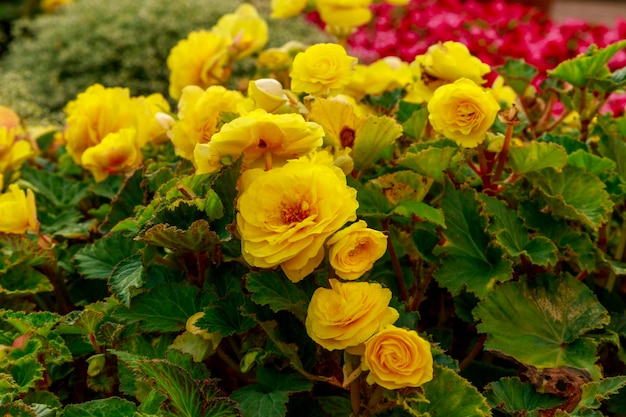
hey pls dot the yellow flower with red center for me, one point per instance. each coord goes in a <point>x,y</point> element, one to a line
<point>118,152</point>
<point>463,111</point>
<point>348,314</point>
<point>201,59</point>
<point>199,113</point>
<point>397,358</point>
<point>321,69</point>
<point>265,139</point>
<point>18,212</point>
<point>286,214</point>
<point>352,251</point>
<point>246,28</point>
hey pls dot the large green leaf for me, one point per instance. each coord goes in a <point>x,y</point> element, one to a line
<point>592,163</point>
<point>269,398</point>
<point>432,158</point>
<point>17,409</point>
<point>470,258</point>
<point>27,372</point>
<point>574,194</point>
<point>509,232</point>
<point>273,289</point>
<point>449,394</point>
<point>614,148</point>
<point>414,118</point>
<point>514,396</point>
<point>98,260</point>
<point>594,392</point>
<point>164,309</point>
<point>585,68</point>
<point>21,250</point>
<point>543,324</point>
<point>61,192</point>
<point>420,211</point>
<point>24,280</point>
<point>108,407</point>
<point>536,156</point>
<point>123,204</point>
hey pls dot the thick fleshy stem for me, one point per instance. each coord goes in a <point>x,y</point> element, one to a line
<point>474,352</point>
<point>404,294</point>
<point>510,119</point>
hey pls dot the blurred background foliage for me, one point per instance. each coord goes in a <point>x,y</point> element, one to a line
<point>51,57</point>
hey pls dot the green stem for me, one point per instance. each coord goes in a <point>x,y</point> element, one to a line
<point>404,294</point>
<point>355,397</point>
<point>503,156</point>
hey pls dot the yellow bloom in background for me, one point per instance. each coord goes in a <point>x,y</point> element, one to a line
<point>463,111</point>
<point>385,74</point>
<point>322,68</point>
<point>18,212</point>
<point>13,151</point>
<point>99,110</point>
<point>118,152</point>
<point>502,92</point>
<point>147,122</point>
<point>398,2</point>
<point>397,358</point>
<point>267,94</point>
<point>452,60</point>
<point>202,59</point>
<point>444,63</point>
<point>282,9</point>
<point>348,314</point>
<point>285,215</point>
<point>199,113</point>
<point>246,28</point>
<point>265,139</point>
<point>344,13</point>
<point>353,250</point>
<point>49,6</point>
<point>9,118</point>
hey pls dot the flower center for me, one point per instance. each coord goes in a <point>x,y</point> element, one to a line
<point>346,136</point>
<point>295,213</point>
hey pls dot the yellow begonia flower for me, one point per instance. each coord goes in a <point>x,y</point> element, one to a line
<point>267,94</point>
<point>463,111</point>
<point>442,64</point>
<point>282,9</point>
<point>202,59</point>
<point>344,13</point>
<point>9,118</point>
<point>246,28</point>
<point>322,68</point>
<point>286,214</point>
<point>348,314</point>
<point>99,111</point>
<point>368,136</point>
<point>354,250</point>
<point>18,212</point>
<point>13,151</point>
<point>397,358</point>
<point>263,138</point>
<point>118,152</point>
<point>199,113</point>
<point>385,74</point>
<point>502,92</point>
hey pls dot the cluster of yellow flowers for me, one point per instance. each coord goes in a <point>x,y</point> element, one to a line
<point>17,207</point>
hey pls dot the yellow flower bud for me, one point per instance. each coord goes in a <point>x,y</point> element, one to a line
<point>267,94</point>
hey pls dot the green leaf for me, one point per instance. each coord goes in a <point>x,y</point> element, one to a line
<point>198,238</point>
<point>590,162</point>
<point>377,133</point>
<point>536,156</point>
<point>26,373</point>
<point>123,204</point>
<point>194,345</point>
<point>421,211</point>
<point>164,309</point>
<point>9,389</point>
<point>17,410</point>
<point>510,233</point>
<point>574,194</point>
<point>61,192</point>
<point>126,275</point>
<point>543,324</point>
<point>227,318</point>
<point>513,396</point>
<point>372,203</point>
<point>108,407</point>
<point>432,158</point>
<point>273,289</point>
<point>596,391</point>
<point>585,68</point>
<point>98,260</point>
<point>20,249</point>
<point>414,118</point>
<point>614,148</point>
<point>225,185</point>
<point>24,280</point>
<point>282,381</point>
<point>449,394</point>
<point>39,322</point>
<point>469,258</point>
<point>518,74</point>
